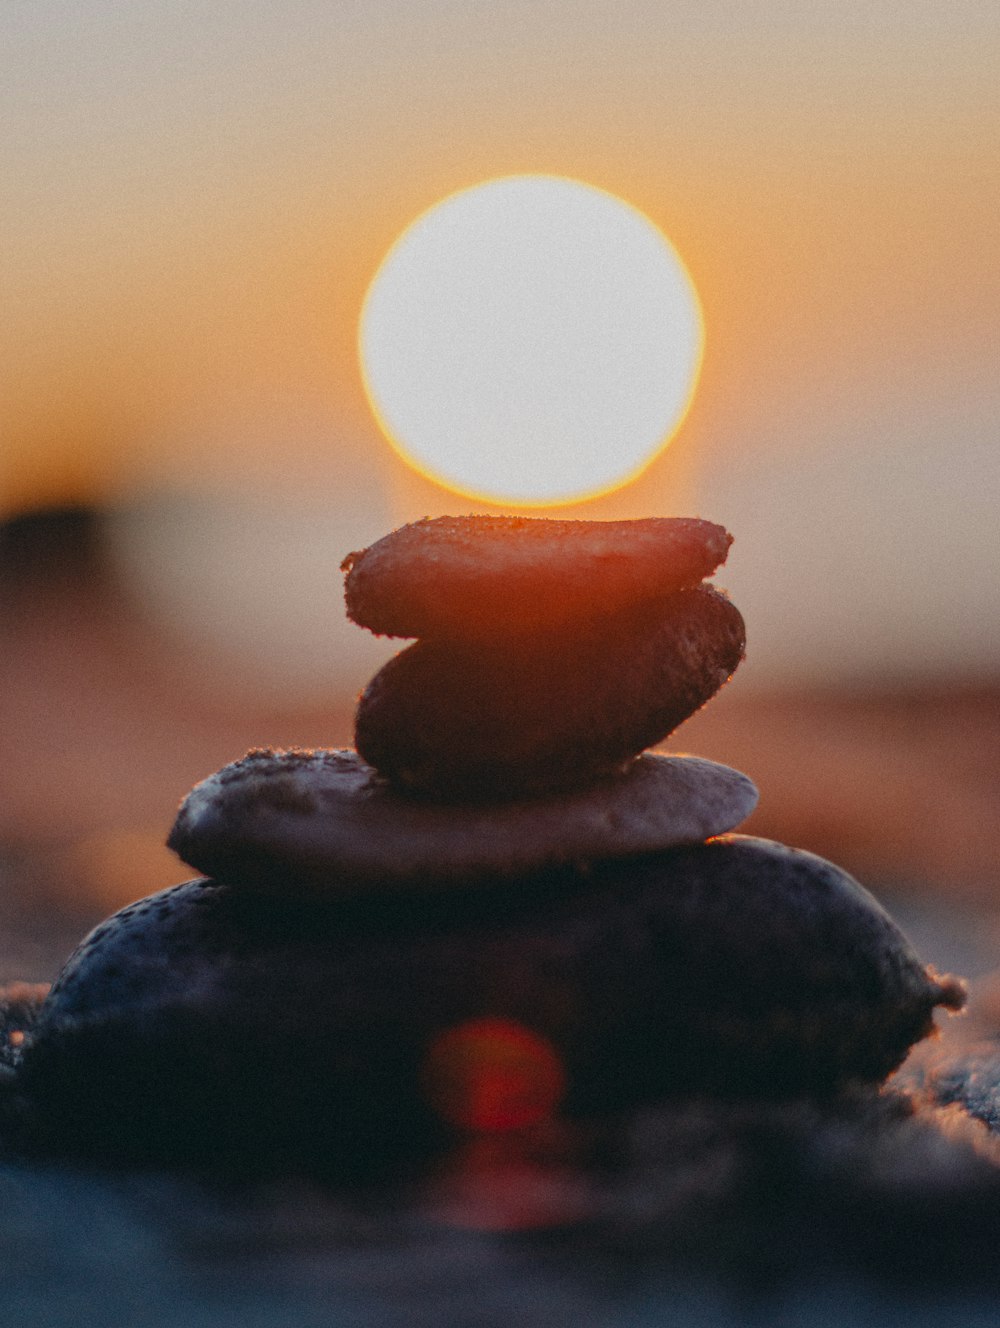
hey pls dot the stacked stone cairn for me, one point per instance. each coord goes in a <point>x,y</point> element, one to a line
<point>499,887</point>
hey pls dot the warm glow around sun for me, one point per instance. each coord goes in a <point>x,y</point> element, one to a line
<point>531,341</point>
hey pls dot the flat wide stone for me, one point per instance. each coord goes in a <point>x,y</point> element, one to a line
<point>325,821</point>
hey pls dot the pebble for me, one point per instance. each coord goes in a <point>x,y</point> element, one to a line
<point>466,577</point>
<point>535,714</point>
<point>324,821</point>
<point>213,1023</point>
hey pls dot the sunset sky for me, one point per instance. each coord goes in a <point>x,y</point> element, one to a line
<point>199,191</point>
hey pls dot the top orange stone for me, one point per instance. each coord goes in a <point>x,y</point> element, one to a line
<point>476,576</point>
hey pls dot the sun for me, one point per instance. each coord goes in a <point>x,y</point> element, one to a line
<point>530,342</point>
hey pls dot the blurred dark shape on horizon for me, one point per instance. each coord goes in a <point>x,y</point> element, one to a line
<point>53,544</point>
<point>108,719</point>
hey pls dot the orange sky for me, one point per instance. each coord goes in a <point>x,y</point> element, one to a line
<point>202,192</point>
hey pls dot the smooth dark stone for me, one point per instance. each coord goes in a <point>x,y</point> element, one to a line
<point>209,1025</point>
<point>495,720</point>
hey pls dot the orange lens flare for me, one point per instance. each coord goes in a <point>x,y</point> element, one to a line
<point>490,1075</point>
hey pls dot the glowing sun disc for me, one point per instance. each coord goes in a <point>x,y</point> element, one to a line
<point>531,341</point>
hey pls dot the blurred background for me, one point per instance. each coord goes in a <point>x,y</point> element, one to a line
<point>198,195</point>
